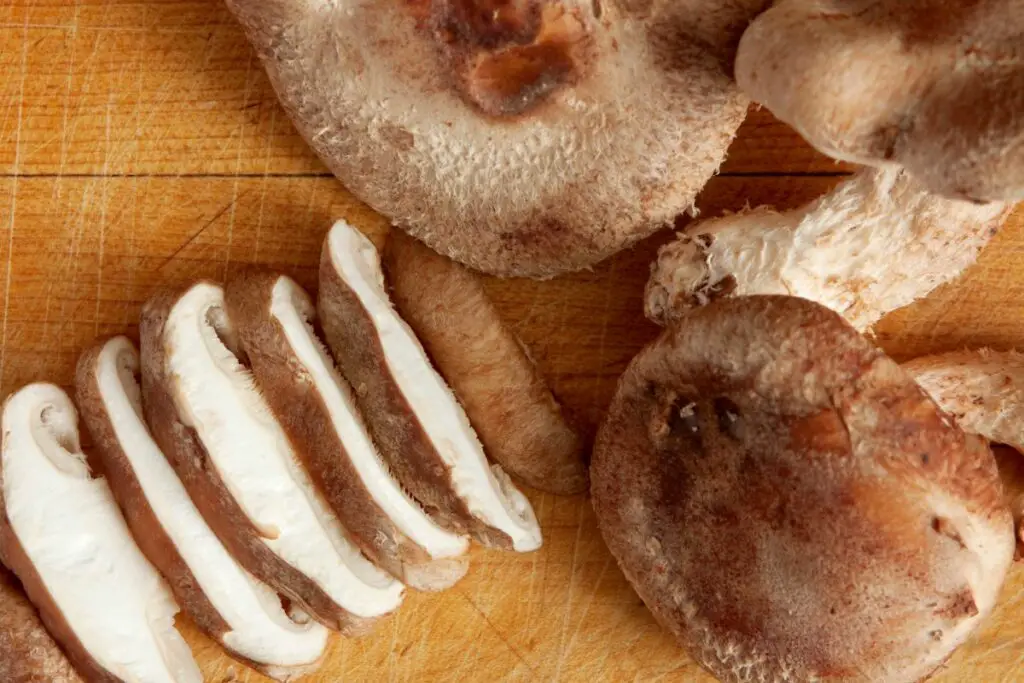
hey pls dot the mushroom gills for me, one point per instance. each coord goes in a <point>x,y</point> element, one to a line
<point>245,615</point>
<point>396,385</point>
<point>72,549</point>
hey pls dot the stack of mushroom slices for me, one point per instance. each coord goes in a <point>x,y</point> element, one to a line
<point>276,502</point>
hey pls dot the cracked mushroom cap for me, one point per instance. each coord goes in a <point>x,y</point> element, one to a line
<point>878,241</point>
<point>316,408</point>
<point>30,655</point>
<point>933,86</point>
<point>791,505</point>
<point>209,419</point>
<point>521,137</point>
<point>242,614</point>
<point>63,536</point>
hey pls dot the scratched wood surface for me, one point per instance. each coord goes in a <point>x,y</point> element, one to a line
<point>141,146</point>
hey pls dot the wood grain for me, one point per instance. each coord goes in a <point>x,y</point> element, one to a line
<point>141,146</point>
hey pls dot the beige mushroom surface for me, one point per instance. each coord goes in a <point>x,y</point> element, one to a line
<point>30,655</point>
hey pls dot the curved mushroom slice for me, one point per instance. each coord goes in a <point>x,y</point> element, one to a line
<point>877,242</point>
<point>216,430</point>
<point>30,655</point>
<point>274,318</point>
<point>421,430</point>
<point>522,137</point>
<point>509,404</point>
<point>791,505</point>
<point>225,601</point>
<point>62,534</point>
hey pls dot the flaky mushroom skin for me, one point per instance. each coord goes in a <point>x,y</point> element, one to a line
<point>934,86</point>
<point>509,404</point>
<point>404,445</point>
<point>29,654</point>
<point>521,138</point>
<point>300,409</point>
<point>878,241</point>
<point>208,491</point>
<point>791,505</point>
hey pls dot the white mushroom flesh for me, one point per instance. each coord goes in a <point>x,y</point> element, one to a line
<point>216,396</point>
<point>73,533</point>
<point>260,628</point>
<point>486,490</point>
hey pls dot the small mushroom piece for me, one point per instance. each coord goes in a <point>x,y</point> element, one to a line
<point>932,86</point>
<point>209,419</point>
<point>245,616</point>
<point>876,242</point>
<point>63,536</point>
<point>791,505</point>
<point>30,655</point>
<point>274,318</point>
<point>521,137</point>
<point>521,425</point>
<point>419,426</point>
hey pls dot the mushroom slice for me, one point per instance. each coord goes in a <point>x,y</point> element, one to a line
<point>29,653</point>
<point>509,404</point>
<point>63,536</point>
<point>274,318</point>
<point>521,137</point>
<point>215,428</point>
<point>421,430</point>
<point>876,242</point>
<point>225,601</point>
<point>791,505</point>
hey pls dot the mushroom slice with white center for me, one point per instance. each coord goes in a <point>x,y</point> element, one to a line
<point>419,426</point>
<point>62,534</point>
<point>226,602</point>
<point>274,318</point>
<point>208,417</point>
<point>876,242</point>
<point>30,654</point>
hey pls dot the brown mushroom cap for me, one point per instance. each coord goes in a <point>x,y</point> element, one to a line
<point>791,505</point>
<point>522,137</point>
<point>934,86</point>
<point>29,653</point>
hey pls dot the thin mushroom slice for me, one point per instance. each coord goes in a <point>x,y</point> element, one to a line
<point>791,505</point>
<point>419,426</point>
<point>218,433</point>
<point>62,534</point>
<point>521,425</point>
<point>875,243</point>
<point>30,654</point>
<point>274,318</point>
<point>521,137</point>
<point>226,602</point>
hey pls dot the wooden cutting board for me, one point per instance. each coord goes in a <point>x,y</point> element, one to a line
<point>141,146</point>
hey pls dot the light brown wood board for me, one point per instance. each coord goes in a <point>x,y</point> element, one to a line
<point>141,146</point>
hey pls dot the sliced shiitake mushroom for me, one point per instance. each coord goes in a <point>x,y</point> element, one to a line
<point>274,319</point>
<point>29,654</point>
<point>876,242</point>
<point>226,602</point>
<point>62,534</point>
<point>521,137</point>
<point>521,425</point>
<point>791,505</point>
<point>209,419</point>
<point>419,426</point>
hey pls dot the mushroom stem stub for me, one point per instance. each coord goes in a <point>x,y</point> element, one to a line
<point>419,426</point>
<point>63,535</point>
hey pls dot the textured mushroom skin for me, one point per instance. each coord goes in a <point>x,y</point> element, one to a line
<point>934,86</point>
<point>208,491</point>
<point>30,655</point>
<point>403,443</point>
<point>791,505</point>
<point>840,250</point>
<point>510,406</point>
<point>300,409</point>
<point>573,164</point>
